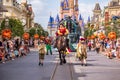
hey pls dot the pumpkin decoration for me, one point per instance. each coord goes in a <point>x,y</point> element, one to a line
<point>26,36</point>
<point>42,37</point>
<point>6,33</point>
<point>95,34</point>
<point>36,36</point>
<point>92,37</point>
<point>112,35</point>
<point>101,36</point>
<point>88,37</point>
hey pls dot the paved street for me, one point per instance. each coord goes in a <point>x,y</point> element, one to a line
<point>99,68</point>
<point>26,68</point>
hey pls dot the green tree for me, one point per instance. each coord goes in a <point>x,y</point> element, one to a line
<point>15,25</point>
<point>32,31</point>
<point>109,29</point>
<point>89,32</point>
<point>38,29</point>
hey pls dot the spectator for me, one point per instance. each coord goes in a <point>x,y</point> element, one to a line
<point>118,49</point>
<point>97,47</point>
<point>2,56</point>
<point>16,53</point>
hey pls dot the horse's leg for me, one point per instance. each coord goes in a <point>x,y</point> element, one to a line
<point>60,57</point>
<point>63,56</point>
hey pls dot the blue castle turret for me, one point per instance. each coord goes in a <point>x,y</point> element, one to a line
<point>52,25</point>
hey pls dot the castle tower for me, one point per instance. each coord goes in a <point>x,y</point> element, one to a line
<point>76,8</point>
<point>97,10</point>
<point>97,15</point>
<point>71,6</point>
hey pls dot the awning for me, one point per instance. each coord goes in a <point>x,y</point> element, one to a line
<point>2,8</point>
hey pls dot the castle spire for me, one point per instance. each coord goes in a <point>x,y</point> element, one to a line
<point>97,10</point>
<point>76,3</point>
<point>97,7</point>
<point>71,4</point>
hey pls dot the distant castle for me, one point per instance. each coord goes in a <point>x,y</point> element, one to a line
<point>67,8</point>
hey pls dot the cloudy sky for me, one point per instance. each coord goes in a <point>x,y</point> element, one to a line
<point>43,9</point>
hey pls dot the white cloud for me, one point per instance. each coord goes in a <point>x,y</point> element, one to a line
<point>42,9</point>
<point>38,6</point>
<point>85,10</point>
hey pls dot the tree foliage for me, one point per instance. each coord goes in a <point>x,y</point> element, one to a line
<point>15,25</point>
<point>38,29</point>
<point>109,29</point>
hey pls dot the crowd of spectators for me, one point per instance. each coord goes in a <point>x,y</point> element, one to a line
<point>11,49</point>
<point>110,48</point>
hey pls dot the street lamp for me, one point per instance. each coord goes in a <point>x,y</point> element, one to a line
<point>36,30</point>
<point>41,32</point>
<point>6,22</point>
<point>112,25</point>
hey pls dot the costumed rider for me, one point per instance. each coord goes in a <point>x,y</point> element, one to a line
<point>63,31</point>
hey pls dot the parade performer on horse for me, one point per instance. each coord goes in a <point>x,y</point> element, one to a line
<point>61,42</point>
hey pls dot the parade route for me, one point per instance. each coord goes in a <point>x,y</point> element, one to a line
<point>26,68</point>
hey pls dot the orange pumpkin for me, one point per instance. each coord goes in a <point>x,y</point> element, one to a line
<point>112,35</point>
<point>42,37</point>
<point>26,36</point>
<point>6,33</point>
<point>102,37</point>
<point>36,36</point>
<point>92,37</point>
<point>88,37</point>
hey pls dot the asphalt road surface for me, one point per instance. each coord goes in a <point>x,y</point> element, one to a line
<point>26,68</point>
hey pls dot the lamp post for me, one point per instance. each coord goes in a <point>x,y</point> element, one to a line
<point>36,30</point>
<point>112,25</point>
<point>6,22</point>
<point>41,32</point>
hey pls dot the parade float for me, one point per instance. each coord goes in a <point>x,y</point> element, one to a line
<point>71,30</point>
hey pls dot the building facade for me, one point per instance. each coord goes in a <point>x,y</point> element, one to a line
<point>22,11</point>
<point>96,19</point>
<point>112,10</point>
